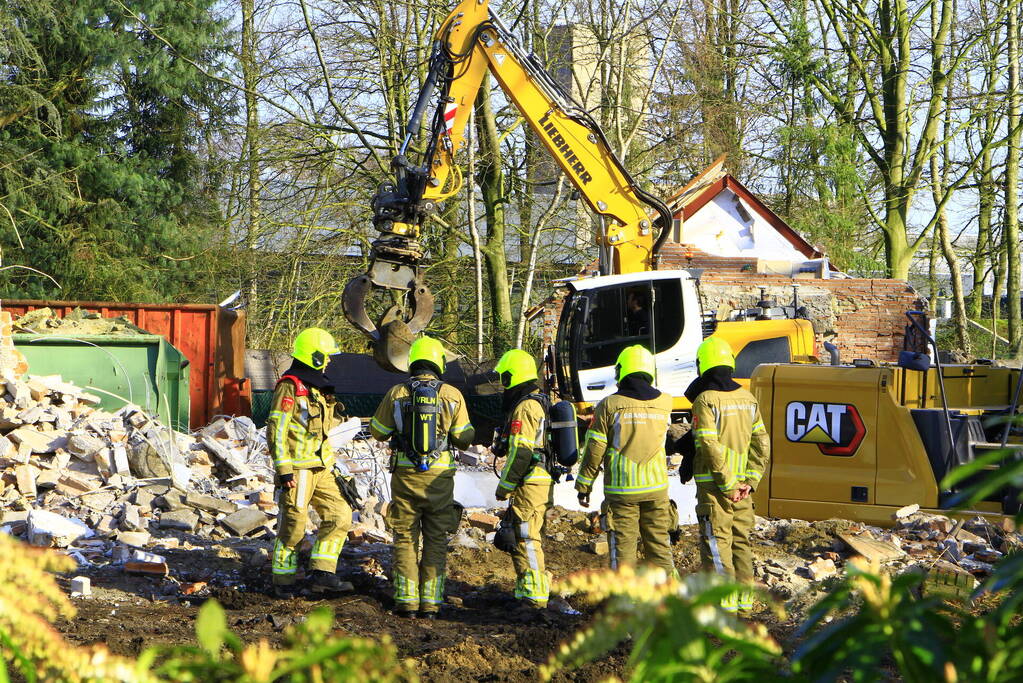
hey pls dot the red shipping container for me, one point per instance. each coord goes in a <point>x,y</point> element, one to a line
<point>211,337</point>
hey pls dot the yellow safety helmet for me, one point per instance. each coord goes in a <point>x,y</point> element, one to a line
<point>713,352</point>
<point>314,347</point>
<point>635,359</point>
<point>430,350</point>
<point>515,367</point>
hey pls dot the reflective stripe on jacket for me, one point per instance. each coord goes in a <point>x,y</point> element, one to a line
<point>627,438</point>
<point>298,426</point>
<point>732,445</point>
<point>526,430</point>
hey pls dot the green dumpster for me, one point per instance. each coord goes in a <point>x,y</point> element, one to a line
<point>144,370</point>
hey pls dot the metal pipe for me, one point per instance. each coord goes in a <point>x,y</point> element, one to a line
<point>424,100</point>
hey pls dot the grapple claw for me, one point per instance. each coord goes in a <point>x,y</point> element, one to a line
<point>392,336</point>
<point>353,305</point>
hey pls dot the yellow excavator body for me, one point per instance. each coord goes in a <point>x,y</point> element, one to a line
<point>861,442</point>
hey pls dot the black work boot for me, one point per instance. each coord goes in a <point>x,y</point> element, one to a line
<point>283,592</point>
<point>327,582</point>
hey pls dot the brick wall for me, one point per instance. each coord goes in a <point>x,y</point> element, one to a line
<point>867,316</point>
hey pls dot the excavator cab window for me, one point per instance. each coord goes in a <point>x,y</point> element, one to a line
<point>598,323</point>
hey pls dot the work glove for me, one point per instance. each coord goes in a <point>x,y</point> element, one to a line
<point>286,481</point>
<point>584,499</point>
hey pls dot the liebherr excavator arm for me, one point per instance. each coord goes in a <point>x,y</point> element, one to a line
<point>471,41</point>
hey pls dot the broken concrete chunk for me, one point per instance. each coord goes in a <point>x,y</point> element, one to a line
<point>821,568</point>
<point>599,545</point>
<point>872,550</point>
<point>99,500</point>
<point>81,585</point>
<point>74,484</point>
<point>131,520</point>
<point>39,442</point>
<point>172,500</point>
<point>244,521</point>
<point>136,539</point>
<point>26,480</point>
<point>484,520</point>
<point>143,556</point>
<point>147,462</point>
<point>106,526</point>
<point>209,503</point>
<point>84,446</point>
<point>70,528</point>
<point>906,511</point>
<point>119,463</point>
<point>104,462</point>
<point>226,456</point>
<point>183,519</point>
<point>143,498</point>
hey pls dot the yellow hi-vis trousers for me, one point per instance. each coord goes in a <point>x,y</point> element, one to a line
<point>529,503</point>
<point>650,521</point>
<point>725,548</point>
<point>316,487</point>
<point>422,505</point>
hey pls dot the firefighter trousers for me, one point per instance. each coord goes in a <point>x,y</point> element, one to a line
<point>725,548</point>
<point>629,522</point>
<point>318,488</point>
<point>422,508</point>
<point>529,503</point>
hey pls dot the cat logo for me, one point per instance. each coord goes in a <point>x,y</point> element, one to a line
<point>836,428</point>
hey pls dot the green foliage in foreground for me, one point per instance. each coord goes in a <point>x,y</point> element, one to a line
<point>870,626</point>
<point>311,653</point>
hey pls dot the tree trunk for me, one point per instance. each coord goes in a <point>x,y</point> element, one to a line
<point>492,188</point>
<point>939,189</point>
<point>985,208</point>
<point>1011,228</point>
<point>898,251</point>
<point>250,78</point>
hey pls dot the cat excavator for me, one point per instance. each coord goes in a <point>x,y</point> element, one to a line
<point>857,440</point>
<point>630,302</point>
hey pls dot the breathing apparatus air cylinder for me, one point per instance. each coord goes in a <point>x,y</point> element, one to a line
<point>421,435</point>
<point>564,433</point>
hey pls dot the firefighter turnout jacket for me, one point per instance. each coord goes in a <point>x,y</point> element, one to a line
<point>453,426</point>
<point>298,426</point>
<point>526,433</point>
<point>732,443</point>
<point>627,438</point>
<point>301,419</point>
<point>526,480</point>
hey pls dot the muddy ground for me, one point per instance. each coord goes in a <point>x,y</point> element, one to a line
<point>479,636</point>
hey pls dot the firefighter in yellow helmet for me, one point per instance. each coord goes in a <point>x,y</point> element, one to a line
<point>304,411</point>
<point>525,478</point>
<point>423,418</point>
<point>627,437</point>
<point>732,451</point>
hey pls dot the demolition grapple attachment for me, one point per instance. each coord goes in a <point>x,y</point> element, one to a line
<point>393,334</point>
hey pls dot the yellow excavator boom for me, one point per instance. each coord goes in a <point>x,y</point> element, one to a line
<point>471,41</point>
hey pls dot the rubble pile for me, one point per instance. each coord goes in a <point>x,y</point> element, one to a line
<point>103,484</point>
<point>951,554</point>
<point>76,323</point>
